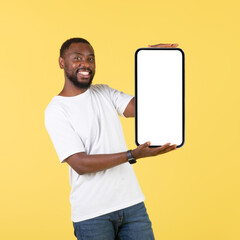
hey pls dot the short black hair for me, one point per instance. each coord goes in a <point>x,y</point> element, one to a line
<point>67,44</point>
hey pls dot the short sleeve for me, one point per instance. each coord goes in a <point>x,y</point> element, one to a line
<point>120,100</point>
<point>65,139</point>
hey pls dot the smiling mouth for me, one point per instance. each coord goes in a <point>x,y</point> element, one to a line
<point>84,74</point>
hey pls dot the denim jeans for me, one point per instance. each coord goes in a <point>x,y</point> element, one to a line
<point>130,223</point>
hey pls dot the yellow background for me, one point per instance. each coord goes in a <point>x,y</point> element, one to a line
<point>192,193</point>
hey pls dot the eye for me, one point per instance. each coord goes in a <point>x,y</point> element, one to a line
<point>78,58</point>
<point>91,59</point>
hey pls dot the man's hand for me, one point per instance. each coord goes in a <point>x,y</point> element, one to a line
<point>163,45</point>
<point>143,150</point>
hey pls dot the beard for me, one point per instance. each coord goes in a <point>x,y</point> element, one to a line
<point>81,85</point>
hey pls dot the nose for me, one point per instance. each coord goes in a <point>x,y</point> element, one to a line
<point>84,63</point>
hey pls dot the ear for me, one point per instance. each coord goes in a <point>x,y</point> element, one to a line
<point>61,62</point>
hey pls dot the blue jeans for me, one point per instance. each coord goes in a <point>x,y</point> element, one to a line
<point>130,223</point>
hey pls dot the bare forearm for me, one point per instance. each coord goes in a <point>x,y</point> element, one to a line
<point>83,163</point>
<point>97,162</point>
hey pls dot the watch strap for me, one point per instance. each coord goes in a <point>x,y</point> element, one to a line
<point>130,157</point>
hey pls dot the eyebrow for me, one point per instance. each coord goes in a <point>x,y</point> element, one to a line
<point>83,54</point>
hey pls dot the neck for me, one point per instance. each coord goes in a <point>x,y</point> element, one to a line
<point>70,90</point>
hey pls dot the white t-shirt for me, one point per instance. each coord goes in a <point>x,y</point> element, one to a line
<point>89,123</point>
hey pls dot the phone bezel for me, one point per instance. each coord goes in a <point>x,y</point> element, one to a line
<point>183,93</point>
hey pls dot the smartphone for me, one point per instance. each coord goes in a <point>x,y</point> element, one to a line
<point>160,96</point>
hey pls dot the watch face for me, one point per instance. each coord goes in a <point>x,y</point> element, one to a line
<point>131,161</point>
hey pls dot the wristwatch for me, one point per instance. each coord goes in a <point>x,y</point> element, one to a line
<point>130,157</point>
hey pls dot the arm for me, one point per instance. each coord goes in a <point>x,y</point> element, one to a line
<point>83,163</point>
<point>130,109</point>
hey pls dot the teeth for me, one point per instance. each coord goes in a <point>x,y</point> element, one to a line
<point>84,73</point>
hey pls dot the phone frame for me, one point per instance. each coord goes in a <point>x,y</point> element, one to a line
<point>183,93</point>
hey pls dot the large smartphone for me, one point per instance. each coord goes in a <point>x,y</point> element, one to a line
<point>160,96</point>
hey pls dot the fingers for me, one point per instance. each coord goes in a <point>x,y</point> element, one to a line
<point>159,150</point>
<point>165,148</point>
<point>165,145</point>
<point>162,148</point>
<point>164,45</point>
<point>144,145</point>
<point>143,150</point>
<point>170,148</point>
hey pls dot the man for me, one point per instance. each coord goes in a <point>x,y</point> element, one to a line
<point>83,123</point>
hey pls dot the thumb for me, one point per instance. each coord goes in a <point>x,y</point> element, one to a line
<point>144,145</point>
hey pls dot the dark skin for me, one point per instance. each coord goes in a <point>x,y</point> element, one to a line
<point>78,56</point>
<point>78,63</point>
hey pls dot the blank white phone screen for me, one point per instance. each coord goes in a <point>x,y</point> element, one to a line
<point>159,90</point>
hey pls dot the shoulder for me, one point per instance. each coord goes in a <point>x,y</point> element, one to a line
<point>100,87</point>
<point>102,90</point>
<point>54,108</point>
